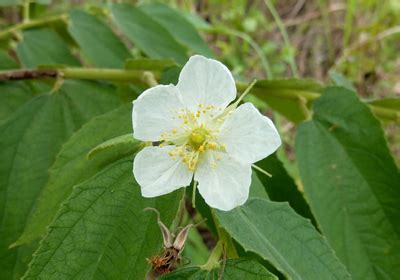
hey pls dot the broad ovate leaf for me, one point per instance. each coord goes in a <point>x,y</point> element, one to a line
<point>97,41</point>
<point>43,46</point>
<point>29,142</point>
<point>289,242</point>
<point>147,34</point>
<point>352,184</point>
<point>281,187</point>
<point>12,96</point>
<point>72,166</point>
<point>102,231</point>
<point>234,269</point>
<point>181,28</point>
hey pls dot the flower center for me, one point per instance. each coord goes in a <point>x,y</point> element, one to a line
<point>198,137</point>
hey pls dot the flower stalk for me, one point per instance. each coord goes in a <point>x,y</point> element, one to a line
<point>194,193</point>
<point>213,260</point>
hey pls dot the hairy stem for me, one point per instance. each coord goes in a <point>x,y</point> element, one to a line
<point>150,79</point>
<point>118,75</point>
<point>213,260</point>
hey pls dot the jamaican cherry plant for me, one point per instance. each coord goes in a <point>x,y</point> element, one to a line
<point>108,111</point>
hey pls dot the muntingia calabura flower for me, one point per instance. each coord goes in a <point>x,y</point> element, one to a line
<point>202,138</point>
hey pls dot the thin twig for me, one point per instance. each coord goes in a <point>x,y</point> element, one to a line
<point>28,74</point>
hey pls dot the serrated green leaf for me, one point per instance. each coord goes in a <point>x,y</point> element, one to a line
<point>125,140</point>
<point>12,96</point>
<point>43,46</point>
<point>102,231</point>
<point>281,187</point>
<point>97,41</point>
<point>352,184</point>
<point>235,269</point>
<point>147,34</point>
<point>182,29</point>
<point>29,142</point>
<point>288,241</point>
<point>71,166</point>
<point>149,64</point>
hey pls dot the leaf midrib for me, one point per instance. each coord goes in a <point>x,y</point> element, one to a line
<point>258,233</point>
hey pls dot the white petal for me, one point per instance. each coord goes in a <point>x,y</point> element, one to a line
<point>156,111</point>
<point>248,135</point>
<point>223,182</point>
<point>206,81</point>
<point>157,173</point>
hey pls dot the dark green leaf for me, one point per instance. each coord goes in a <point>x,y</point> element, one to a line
<point>284,96</point>
<point>43,46</point>
<point>72,167</point>
<point>102,232</point>
<point>235,269</point>
<point>288,241</point>
<point>352,184</point>
<point>257,188</point>
<point>6,62</point>
<point>29,142</point>
<point>170,75</point>
<point>149,64</point>
<point>147,34</point>
<point>97,41</point>
<point>115,144</point>
<point>182,29</point>
<point>13,95</point>
<point>281,187</point>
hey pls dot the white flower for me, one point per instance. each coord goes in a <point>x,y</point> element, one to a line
<point>201,137</point>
